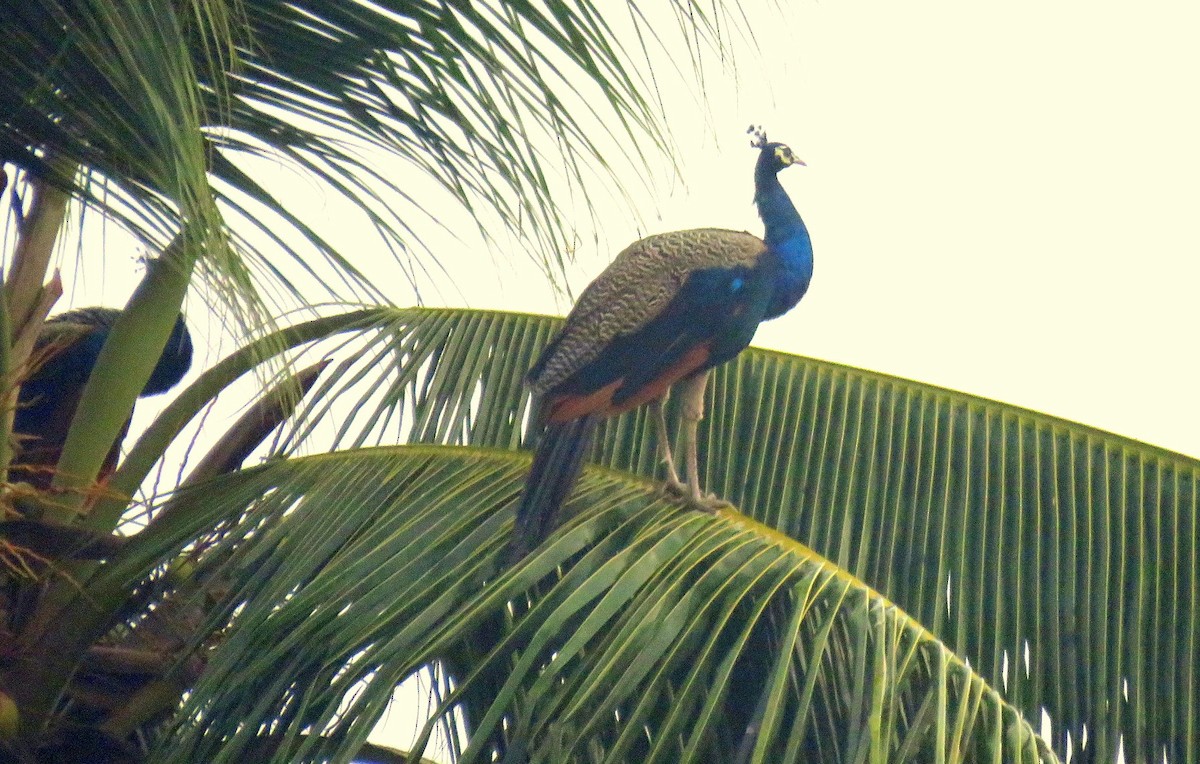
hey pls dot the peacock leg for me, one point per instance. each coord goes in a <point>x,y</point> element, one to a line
<point>672,484</point>
<point>691,393</point>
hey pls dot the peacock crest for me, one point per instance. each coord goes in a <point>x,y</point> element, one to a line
<point>758,137</point>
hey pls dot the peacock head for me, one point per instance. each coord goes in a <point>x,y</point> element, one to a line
<point>772,157</point>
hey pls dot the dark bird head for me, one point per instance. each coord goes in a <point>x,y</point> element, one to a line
<point>772,157</point>
<point>65,354</point>
<point>174,363</point>
<point>81,333</point>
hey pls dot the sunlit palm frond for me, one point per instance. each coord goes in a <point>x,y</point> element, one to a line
<point>650,632</point>
<point>1059,559</point>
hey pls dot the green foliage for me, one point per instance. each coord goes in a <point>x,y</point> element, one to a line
<point>152,114</point>
<point>648,632</point>
<point>642,629</point>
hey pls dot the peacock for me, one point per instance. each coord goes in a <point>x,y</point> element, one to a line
<point>64,355</point>
<point>668,309</point>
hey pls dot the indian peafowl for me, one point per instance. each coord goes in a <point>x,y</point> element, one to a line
<point>65,353</point>
<point>668,309</point>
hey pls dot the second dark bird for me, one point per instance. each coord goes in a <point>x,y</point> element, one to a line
<point>668,309</point>
<point>65,353</point>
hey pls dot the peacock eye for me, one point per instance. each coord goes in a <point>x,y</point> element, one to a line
<point>784,155</point>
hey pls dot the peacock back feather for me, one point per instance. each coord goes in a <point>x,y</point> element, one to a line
<point>633,291</point>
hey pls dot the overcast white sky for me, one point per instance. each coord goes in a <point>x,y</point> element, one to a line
<point>1002,197</point>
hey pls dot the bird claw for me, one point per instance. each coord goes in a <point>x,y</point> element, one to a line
<point>675,489</point>
<point>709,503</point>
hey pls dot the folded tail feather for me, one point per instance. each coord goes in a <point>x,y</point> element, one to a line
<point>557,462</point>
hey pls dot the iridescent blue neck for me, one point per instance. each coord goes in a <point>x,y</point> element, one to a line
<point>787,241</point>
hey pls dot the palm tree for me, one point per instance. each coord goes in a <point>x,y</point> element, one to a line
<point>913,575</point>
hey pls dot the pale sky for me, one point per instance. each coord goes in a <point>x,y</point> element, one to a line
<point>1001,198</point>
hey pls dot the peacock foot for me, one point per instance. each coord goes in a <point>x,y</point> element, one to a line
<point>675,489</point>
<point>708,503</point>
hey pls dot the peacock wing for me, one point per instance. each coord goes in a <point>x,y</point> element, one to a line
<point>710,318</point>
<point>637,287</point>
